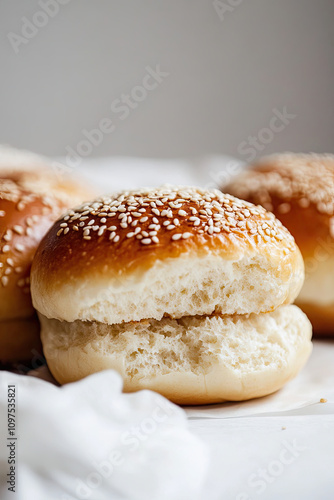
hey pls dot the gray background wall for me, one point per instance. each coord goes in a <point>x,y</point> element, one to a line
<point>225,75</point>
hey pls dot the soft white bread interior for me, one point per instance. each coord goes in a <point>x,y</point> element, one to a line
<point>192,360</point>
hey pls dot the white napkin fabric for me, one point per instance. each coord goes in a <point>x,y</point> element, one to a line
<point>88,440</point>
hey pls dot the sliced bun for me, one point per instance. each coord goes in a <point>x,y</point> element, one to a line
<point>164,252</point>
<point>299,190</point>
<point>193,360</point>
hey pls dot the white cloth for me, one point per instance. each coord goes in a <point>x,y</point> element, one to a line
<point>88,440</point>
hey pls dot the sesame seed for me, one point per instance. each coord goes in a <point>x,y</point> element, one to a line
<point>2,213</point>
<point>5,248</point>
<point>63,224</point>
<point>186,235</point>
<point>170,227</point>
<point>4,280</point>
<point>146,241</point>
<point>116,239</point>
<point>18,229</point>
<point>176,237</point>
<point>182,213</point>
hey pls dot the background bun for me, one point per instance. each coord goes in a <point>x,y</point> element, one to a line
<point>299,190</point>
<point>30,201</point>
<point>164,252</point>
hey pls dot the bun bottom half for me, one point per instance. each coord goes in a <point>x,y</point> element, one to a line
<point>19,340</point>
<point>192,360</point>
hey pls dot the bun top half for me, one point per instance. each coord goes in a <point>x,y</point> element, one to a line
<point>170,251</point>
<point>298,189</point>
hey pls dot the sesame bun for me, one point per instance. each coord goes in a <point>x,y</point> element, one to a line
<point>299,190</point>
<point>163,267</point>
<point>29,204</point>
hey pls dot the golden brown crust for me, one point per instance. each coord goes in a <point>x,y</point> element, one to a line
<point>298,189</point>
<point>24,219</point>
<point>132,230</point>
<point>30,201</point>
